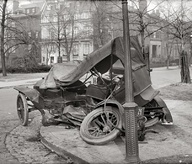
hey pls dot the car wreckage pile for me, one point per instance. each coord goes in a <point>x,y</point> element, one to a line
<point>90,94</point>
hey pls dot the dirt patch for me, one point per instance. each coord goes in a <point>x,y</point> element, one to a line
<point>178,91</point>
<point>177,137</point>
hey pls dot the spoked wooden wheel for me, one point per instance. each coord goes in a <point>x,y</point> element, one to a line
<point>22,109</point>
<point>101,125</point>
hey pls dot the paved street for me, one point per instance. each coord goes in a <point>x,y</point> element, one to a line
<point>8,121</point>
<point>162,76</point>
<point>20,144</point>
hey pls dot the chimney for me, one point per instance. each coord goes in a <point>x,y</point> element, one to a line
<point>15,5</point>
<point>143,5</point>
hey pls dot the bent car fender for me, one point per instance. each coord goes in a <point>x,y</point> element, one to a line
<point>168,116</point>
<point>33,95</point>
<point>112,103</point>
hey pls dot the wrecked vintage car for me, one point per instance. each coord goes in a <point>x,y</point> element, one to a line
<point>90,94</point>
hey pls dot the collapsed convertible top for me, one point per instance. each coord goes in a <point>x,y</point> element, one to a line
<point>64,74</point>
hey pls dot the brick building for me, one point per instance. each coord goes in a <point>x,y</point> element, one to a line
<point>73,29</point>
<point>66,31</point>
<point>24,31</point>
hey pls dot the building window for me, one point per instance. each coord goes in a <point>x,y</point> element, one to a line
<point>37,34</point>
<point>29,34</point>
<point>27,11</point>
<point>154,35</point>
<point>87,31</point>
<point>66,17</point>
<point>76,31</point>
<point>77,16</point>
<point>52,35</point>
<point>9,35</point>
<point>12,49</point>
<point>52,60</point>
<point>67,4</point>
<point>85,15</point>
<point>52,7</point>
<point>61,6</point>
<point>29,47</point>
<point>48,7</point>
<point>86,48</point>
<point>13,24</point>
<point>154,51</point>
<point>158,34</point>
<point>44,19</point>
<point>75,49</point>
<point>55,18</point>
<point>33,10</point>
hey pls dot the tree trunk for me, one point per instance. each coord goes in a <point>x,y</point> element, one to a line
<point>168,61</point>
<point>47,60</point>
<point>2,39</point>
<point>185,73</point>
<point>143,43</point>
<point>68,56</point>
<point>168,56</point>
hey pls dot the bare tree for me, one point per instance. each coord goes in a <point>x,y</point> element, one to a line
<point>180,27</point>
<point>61,27</point>
<point>49,48</point>
<point>13,35</point>
<point>102,24</point>
<point>146,22</point>
<point>3,37</point>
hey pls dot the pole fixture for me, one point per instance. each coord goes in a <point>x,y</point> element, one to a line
<point>130,107</point>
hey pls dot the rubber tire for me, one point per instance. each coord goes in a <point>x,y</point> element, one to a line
<point>168,117</point>
<point>24,118</point>
<point>104,139</point>
<point>152,122</point>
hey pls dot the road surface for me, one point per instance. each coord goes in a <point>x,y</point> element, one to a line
<point>20,144</point>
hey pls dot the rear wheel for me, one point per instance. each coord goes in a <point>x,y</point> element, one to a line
<point>101,125</point>
<point>22,109</point>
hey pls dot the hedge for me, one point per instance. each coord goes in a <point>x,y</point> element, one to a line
<point>36,69</point>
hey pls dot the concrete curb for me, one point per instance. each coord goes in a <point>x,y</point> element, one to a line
<point>63,153</point>
<point>63,141</point>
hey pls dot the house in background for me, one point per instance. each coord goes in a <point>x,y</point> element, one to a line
<point>24,31</point>
<point>66,31</point>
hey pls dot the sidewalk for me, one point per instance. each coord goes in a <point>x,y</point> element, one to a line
<point>168,144</point>
<point>12,80</point>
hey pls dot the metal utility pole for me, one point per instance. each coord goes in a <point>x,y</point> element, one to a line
<point>130,107</point>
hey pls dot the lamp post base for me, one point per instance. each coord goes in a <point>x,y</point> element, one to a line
<point>131,134</point>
